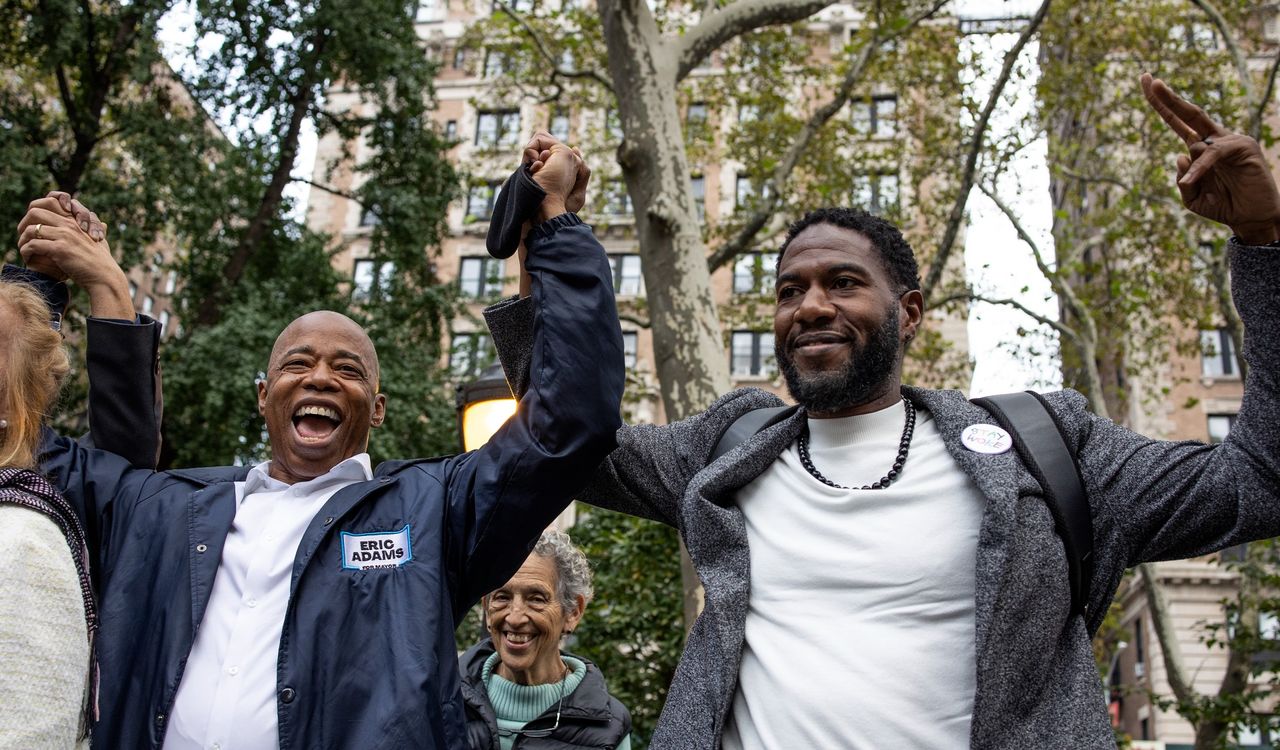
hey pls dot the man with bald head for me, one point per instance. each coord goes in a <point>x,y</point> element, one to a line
<point>310,601</point>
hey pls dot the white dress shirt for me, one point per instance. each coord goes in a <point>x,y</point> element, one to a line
<point>227,698</point>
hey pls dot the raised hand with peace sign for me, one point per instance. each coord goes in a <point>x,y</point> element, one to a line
<point>1224,176</point>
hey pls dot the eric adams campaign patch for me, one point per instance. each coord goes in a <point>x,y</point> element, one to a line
<point>378,549</point>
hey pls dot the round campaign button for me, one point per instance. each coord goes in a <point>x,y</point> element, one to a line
<point>986,438</point>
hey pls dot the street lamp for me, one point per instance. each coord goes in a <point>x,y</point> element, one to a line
<point>484,404</point>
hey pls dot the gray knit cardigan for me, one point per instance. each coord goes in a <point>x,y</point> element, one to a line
<point>1037,684</point>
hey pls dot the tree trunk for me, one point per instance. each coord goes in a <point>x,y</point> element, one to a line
<point>687,342</point>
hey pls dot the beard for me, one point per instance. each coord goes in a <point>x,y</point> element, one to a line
<point>862,377</point>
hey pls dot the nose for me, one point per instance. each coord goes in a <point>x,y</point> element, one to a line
<point>814,306</point>
<point>320,378</point>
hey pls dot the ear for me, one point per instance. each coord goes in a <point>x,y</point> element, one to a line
<point>572,618</point>
<point>912,304</point>
<point>262,397</point>
<point>379,410</point>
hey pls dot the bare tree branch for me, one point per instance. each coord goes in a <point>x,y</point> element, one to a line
<point>556,68</point>
<point>331,190</point>
<point>1238,59</point>
<point>1260,106</point>
<point>761,214</point>
<point>1057,325</point>
<point>1167,634</point>
<point>736,18</point>
<point>939,262</point>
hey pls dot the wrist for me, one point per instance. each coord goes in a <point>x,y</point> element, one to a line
<point>109,298</point>
<point>1256,233</point>
<point>551,207</point>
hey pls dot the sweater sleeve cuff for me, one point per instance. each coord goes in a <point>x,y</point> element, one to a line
<point>511,326</point>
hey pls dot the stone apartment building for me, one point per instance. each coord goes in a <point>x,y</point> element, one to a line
<point>490,129</point>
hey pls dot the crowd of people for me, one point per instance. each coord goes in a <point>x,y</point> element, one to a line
<point>310,601</point>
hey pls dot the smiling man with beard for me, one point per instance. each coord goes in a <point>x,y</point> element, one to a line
<point>875,579</point>
<point>310,601</point>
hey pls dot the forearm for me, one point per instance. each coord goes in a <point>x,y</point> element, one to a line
<point>566,420</point>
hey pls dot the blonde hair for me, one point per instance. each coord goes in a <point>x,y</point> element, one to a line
<point>31,372</point>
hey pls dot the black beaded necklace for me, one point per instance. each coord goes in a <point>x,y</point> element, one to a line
<point>903,446</point>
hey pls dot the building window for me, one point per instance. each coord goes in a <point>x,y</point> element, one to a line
<point>480,277</point>
<point>369,216</point>
<point>630,340</point>
<point>617,201</point>
<point>559,125</point>
<point>431,10</point>
<point>480,200</point>
<point>876,117</point>
<point>1217,354</point>
<point>469,353</point>
<point>451,130</point>
<point>498,129</point>
<point>698,186</point>
<point>133,290</point>
<point>171,283</point>
<point>748,113</point>
<point>751,354</point>
<point>1220,426</point>
<point>754,273</point>
<point>876,193</point>
<point>627,277</point>
<point>696,117</point>
<point>459,58</point>
<point>164,322</point>
<point>746,191</point>
<point>495,64</point>
<point>148,304</point>
<point>369,277</point>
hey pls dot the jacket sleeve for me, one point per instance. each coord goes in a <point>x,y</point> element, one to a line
<point>648,472</point>
<point>651,468</point>
<point>503,495</point>
<point>1158,500</point>
<point>125,398</point>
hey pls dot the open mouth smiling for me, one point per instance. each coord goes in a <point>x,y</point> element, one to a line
<point>314,423</point>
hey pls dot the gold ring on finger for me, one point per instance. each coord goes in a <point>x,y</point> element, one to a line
<point>39,236</point>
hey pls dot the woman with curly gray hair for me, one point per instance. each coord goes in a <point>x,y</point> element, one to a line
<point>520,689</point>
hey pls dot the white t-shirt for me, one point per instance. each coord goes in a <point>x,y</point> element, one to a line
<point>860,624</point>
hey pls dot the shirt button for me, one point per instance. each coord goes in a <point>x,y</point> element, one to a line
<point>287,695</point>
<point>233,671</point>
<point>252,602</point>
<point>216,746</point>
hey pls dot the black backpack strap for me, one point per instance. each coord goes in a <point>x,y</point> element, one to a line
<point>1047,456</point>
<point>747,426</point>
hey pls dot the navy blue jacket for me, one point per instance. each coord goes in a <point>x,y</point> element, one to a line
<point>367,657</point>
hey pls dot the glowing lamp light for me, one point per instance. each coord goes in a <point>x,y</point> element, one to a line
<point>484,405</point>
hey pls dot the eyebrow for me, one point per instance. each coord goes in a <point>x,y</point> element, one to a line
<point>350,355</point>
<point>310,350</point>
<point>850,267</point>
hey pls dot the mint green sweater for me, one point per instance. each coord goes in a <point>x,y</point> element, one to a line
<point>516,705</point>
